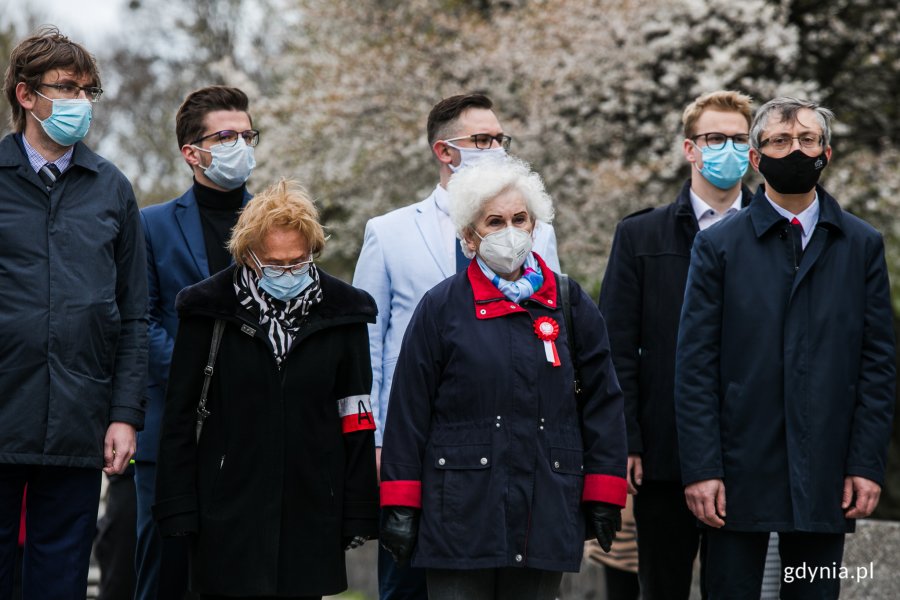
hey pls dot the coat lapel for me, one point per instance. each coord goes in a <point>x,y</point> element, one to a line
<point>188,216</point>
<point>829,224</point>
<point>427,223</point>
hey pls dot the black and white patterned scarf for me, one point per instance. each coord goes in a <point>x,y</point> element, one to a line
<point>281,320</point>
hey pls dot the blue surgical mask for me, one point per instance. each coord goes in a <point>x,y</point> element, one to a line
<point>470,156</point>
<point>724,167</point>
<point>69,120</point>
<point>285,287</point>
<point>231,166</point>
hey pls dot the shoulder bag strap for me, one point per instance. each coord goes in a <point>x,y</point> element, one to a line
<point>563,287</point>
<point>202,413</point>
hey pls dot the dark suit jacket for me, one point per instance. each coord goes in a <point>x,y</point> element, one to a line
<point>176,258</point>
<point>641,302</point>
<point>784,376</point>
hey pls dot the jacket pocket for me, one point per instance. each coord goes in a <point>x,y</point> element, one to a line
<point>568,464</point>
<point>96,325</point>
<point>466,474</point>
<point>566,460</point>
<point>214,500</point>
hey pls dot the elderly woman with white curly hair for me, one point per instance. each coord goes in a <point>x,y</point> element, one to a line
<point>494,467</point>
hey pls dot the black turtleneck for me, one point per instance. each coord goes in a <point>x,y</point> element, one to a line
<point>218,215</point>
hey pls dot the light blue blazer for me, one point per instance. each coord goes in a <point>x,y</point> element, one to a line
<point>402,258</point>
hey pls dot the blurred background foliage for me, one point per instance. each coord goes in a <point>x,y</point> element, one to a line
<point>591,91</point>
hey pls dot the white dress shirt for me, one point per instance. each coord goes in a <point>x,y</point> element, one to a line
<point>808,218</point>
<point>707,215</point>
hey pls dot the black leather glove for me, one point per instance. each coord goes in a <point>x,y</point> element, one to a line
<point>351,542</point>
<point>398,531</point>
<point>604,520</point>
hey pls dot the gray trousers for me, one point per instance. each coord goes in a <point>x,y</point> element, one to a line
<point>492,584</point>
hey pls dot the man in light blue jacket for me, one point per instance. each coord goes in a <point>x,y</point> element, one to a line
<point>408,251</point>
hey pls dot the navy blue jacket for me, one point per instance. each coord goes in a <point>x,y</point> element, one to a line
<point>176,258</point>
<point>73,297</point>
<point>484,434</point>
<point>640,299</point>
<point>784,377</point>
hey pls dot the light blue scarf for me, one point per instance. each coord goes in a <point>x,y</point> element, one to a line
<point>530,281</point>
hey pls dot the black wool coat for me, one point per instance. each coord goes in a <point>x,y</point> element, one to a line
<point>640,299</point>
<point>284,470</point>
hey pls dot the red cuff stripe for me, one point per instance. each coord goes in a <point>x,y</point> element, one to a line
<point>357,422</point>
<point>604,488</point>
<point>401,493</point>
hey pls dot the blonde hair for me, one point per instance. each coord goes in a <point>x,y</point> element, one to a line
<point>729,101</point>
<point>283,205</point>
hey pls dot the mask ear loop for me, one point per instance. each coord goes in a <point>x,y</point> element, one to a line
<point>31,112</point>
<point>200,164</point>
<point>694,162</point>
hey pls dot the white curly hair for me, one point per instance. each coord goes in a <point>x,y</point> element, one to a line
<point>474,186</point>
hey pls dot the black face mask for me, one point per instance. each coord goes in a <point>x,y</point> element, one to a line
<point>796,173</point>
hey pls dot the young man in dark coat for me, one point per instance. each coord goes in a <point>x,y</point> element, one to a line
<point>784,377</point>
<point>641,302</point>
<point>73,329</point>
<point>186,243</point>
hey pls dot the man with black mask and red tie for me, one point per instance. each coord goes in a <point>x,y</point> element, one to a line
<point>784,376</point>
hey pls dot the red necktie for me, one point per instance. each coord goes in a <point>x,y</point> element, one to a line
<point>797,231</point>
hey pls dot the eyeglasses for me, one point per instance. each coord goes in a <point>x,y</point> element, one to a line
<point>70,91</point>
<point>279,270</point>
<point>483,141</point>
<point>228,137</point>
<point>782,143</point>
<point>716,141</point>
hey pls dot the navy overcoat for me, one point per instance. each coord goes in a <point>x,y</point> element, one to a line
<point>784,377</point>
<point>484,434</point>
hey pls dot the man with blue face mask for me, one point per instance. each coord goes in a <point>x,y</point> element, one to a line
<point>73,330</point>
<point>186,243</point>
<point>641,299</point>
<point>410,250</point>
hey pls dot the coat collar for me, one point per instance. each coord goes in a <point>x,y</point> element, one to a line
<point>684,207</point>
<point>215,297</point>
<point>490,301</point>
<point>12,155</point>
<point>765,218</point>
